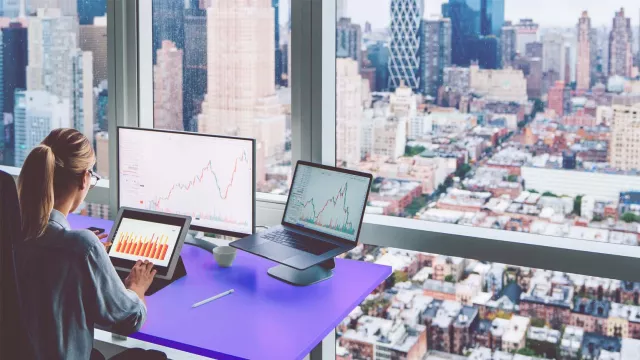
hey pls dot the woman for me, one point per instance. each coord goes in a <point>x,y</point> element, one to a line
<point>66,281</point>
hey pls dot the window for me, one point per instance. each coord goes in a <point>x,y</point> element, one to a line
<point>53,73</point>
<point>434,304</point>
<point>496,116</point>
<point>508,119</point>
<point>222,68</point>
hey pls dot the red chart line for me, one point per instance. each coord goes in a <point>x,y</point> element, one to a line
<point>198,179</point>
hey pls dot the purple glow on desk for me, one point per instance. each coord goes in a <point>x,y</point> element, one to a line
<point>264,318</point>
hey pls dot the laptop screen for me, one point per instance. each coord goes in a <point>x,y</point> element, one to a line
<point>328,201</point>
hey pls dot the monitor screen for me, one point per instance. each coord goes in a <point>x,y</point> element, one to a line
<point>209,178</point>
<point>144,240</point>
<point>328,201</point>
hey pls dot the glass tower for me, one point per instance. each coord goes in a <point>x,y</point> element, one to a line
<point>406,29</point>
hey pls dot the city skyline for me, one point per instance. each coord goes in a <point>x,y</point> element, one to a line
<point>601,12</point>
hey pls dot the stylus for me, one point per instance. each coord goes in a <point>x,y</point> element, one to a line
<point>213,298</point>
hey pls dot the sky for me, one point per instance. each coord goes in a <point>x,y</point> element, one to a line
<point>547,13</point>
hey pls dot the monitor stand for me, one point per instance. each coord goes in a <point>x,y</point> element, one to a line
<point>310,276</point>
<point>195,238</point>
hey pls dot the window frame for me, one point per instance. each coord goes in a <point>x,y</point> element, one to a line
<point>313,139</point>
<point>621,262</point>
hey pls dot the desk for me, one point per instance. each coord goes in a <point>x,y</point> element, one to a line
<point>264,318</point>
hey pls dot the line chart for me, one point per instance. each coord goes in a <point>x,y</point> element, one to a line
<point>208,178</point>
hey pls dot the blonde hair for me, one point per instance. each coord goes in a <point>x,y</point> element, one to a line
<point>50,171</point>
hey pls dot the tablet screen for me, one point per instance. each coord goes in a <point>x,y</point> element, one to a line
<point>143,240</point>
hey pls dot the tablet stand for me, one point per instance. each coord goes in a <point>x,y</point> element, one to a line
<point>310,276</point>
<point>159,284</point>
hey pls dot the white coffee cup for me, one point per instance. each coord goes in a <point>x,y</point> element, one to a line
<point>224,255</point>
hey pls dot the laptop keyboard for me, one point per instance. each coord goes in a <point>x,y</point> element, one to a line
<point>299,242</point>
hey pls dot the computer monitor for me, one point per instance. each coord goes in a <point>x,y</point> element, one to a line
<point>210,178</point>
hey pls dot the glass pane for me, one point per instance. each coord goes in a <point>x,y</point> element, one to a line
<point>438,307</point>
<point>221,67</point>
<point>53,74</point>
<point>496,114</point>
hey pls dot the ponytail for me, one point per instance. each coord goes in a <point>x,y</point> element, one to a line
<point>36,191</point>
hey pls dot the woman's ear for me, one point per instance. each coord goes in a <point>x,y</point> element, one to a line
<point>86,180</point>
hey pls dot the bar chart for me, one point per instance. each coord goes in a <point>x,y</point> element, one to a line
<point>142,240</point>
<point>153,247</point>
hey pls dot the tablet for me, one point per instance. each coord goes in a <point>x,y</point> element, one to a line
<point>148,235</point>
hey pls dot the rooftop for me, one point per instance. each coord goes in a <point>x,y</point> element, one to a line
<point>544,334</point>
<point>548,294</point>
<point>592,307</point>
<point>394,335</point>
<point>593,344</point>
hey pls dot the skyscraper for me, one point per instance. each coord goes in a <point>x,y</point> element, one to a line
<point>89,9</point>
<point>349,40</point>
<point>625,135</point>
<point>36,113</point>
<point>348,112</point>
<point>102,106</point>
<point>508,44</point>
<point>278,53</point>
<point>436,49</point>
<point>68,7</point>
<point>465,18</point>
<point>378,55</point>
<point>404,62</point>
<point>14,67</point>
<point>533,50</point>
<point>52,37</point>
<point>167,88</point>
<point>241,98</point>
<point>168,23</point>
<point>82,97</point>
<point>195,65</point>
<point>556,98</point>
<point>492,19</point>
<point>567,64</point>
<point>620,39</point>
<point>527,33</point>
<point>93,37</point>
<point>554,54</point>
<point>583,68</point>
<point>9,8</point>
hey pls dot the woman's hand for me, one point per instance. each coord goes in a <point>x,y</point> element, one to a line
<point>140,278</point>
<point>102,236</point>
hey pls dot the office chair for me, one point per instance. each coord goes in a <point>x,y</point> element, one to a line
<point>13,337</point>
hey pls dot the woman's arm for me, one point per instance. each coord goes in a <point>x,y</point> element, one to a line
<point>111,303</point>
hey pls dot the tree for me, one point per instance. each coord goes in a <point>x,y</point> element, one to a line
<point>414,150</point>
<point>512,178</point>
<point>537,322</point>
<point>577,205</point>
<point>549,194</point>
<point>400,276</point>
<point>417,205</point>
<point>448,182</point>
<point>629,217</point>
<point>538,106</point>
<point>463,170</point>
<point>450,279</point>
<point>526,352</point>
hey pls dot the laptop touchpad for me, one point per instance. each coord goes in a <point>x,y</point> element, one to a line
<point>275,251</point>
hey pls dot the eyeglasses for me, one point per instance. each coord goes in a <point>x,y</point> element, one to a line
<point>94,179</point>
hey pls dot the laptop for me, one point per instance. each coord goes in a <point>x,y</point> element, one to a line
<point>322,219</point>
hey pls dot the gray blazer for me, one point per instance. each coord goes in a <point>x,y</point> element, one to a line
<point>67,285</point>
